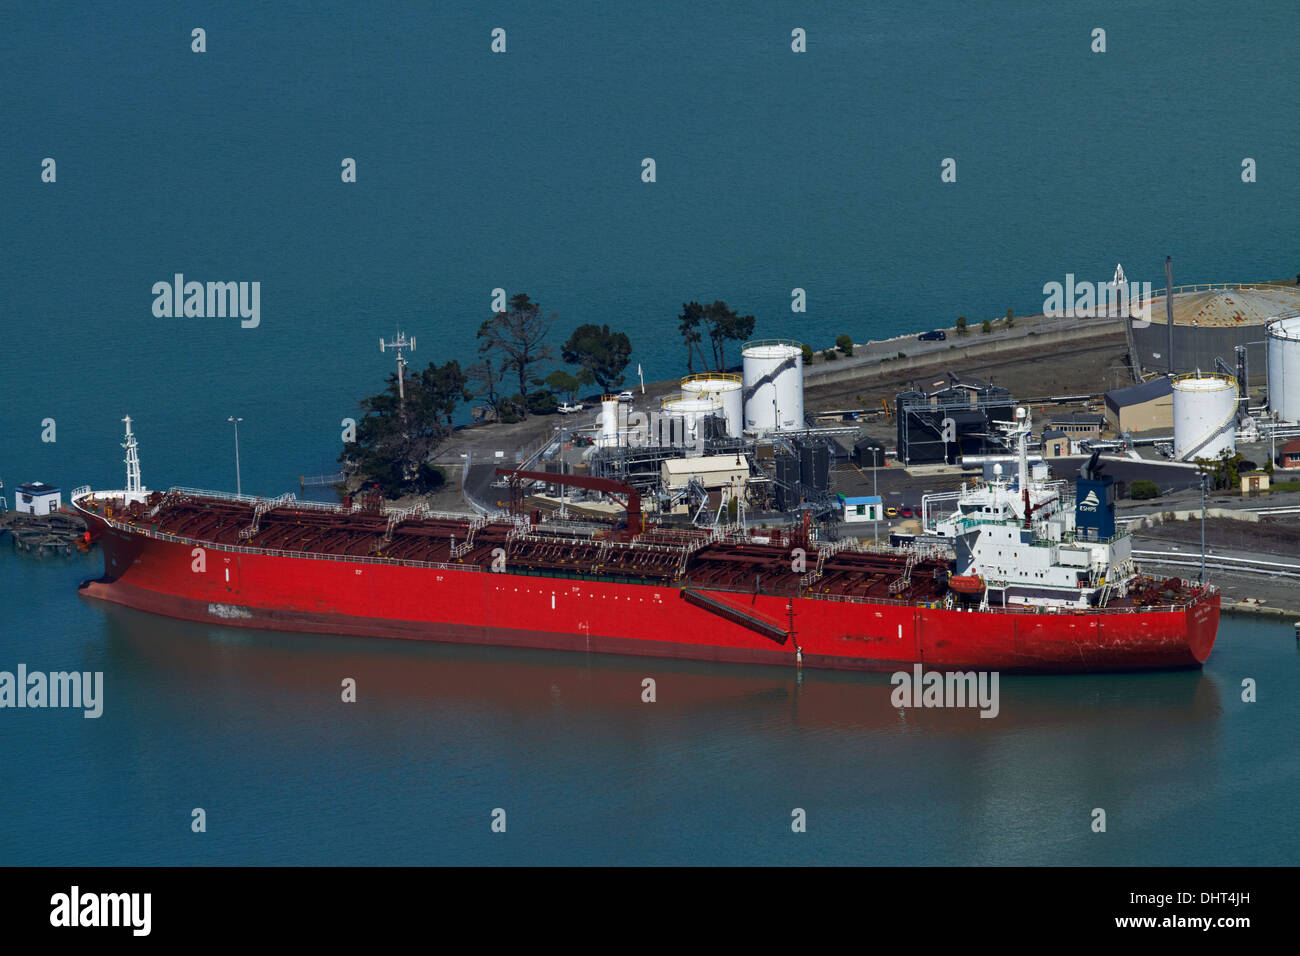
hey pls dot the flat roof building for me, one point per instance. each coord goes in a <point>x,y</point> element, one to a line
<point>1141,408</point>
<point>1079,425</point>
<point>1056,443</point>
<point>866,508</point>
<point>37,498</point>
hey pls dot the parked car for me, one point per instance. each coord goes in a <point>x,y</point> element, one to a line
<point>891,512</point>
<point>938,335</point>
<point>625,396</point>
<point>567,409</point>
<point>906,512</point>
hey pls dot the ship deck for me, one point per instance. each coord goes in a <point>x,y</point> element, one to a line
<point>674,556</point>
<point>661,555</point>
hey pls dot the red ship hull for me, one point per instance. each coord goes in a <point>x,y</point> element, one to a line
<point>244,588</point>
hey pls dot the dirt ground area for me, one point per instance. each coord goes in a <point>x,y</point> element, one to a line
<point>1278,537</point>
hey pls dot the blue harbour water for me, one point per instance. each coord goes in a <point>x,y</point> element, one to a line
<point>775,170</point>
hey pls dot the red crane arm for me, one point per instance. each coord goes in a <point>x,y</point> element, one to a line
<point>594,484</point>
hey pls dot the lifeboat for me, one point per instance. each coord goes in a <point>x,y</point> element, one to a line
<point>966,584</point>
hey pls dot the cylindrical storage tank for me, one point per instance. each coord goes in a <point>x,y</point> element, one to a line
<point>689,411</point>
<point>1205,416</point>
<point>727,388</point>
<point>815,467</point>
<point>822,467</point>
<point>787,481</point>
<point>608,421</point>
<point>869,453</point>
<point>773,383</point>
<point>1283,337</point>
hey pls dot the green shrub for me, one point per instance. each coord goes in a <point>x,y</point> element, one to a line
<point>807,354</point>
<point>961,325</point>
<point>845,344</point>
<point>542,402</point>
<point>1140,489</point>
<point>986,326</point>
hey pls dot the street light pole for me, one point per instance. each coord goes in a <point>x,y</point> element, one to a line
<point>1205,479</point>
<point>875,508</point>
<point>239,488</point>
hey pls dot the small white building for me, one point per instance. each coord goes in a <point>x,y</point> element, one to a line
<point>37,498</point>
<point>861,509</point>
<point>714,471</point>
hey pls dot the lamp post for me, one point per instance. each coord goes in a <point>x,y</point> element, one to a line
<point>1205,480</point>
<point>239,489</point>
<point>875,509</point>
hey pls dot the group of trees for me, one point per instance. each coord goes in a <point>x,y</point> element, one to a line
<point>513,349</point>
<point>717,324</point>
<point>397,436</point>
<point>1225,470</point>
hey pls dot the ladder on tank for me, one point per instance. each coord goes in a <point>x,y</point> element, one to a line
<point>1214,432</point>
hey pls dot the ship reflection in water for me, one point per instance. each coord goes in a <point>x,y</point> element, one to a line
<point>708,773</point>
<point>394,673</point>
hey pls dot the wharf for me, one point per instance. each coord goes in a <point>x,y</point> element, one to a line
<point>57,533</point>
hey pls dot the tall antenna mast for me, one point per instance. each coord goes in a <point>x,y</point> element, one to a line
<point>399,343</point>
<point>133,485</point>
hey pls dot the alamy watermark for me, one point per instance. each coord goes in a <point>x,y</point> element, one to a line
<point>951,689</point>
<point>211,300</point>
<point>84,690</point>
<point>1114,299</point>
<point>75,908</point>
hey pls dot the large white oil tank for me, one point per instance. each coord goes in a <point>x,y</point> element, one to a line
<point>681,416</point>
<point>1282,334</point>
<point>727,388</point>
<point>608,421</point>
<point>773,383</point>
<point>1205,416</point>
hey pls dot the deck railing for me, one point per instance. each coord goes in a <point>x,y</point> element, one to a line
<point>270,552</point>
<point>1201,591</point>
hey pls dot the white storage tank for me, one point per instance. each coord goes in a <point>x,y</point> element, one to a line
<point>681,416</point>
<point>1205,416</point>
<point>726,388</point>
<point>608,421</point>
<point>773,385</point>
<point>1282,333</point>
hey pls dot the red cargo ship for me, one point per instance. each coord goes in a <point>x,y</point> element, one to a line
<point>683,593</point>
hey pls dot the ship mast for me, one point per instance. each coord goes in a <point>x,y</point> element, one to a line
<point>133,485</point>
<point>1022,446</point>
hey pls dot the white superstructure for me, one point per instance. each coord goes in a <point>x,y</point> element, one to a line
<point>773,385</point>
<point>1205,416</point>
<point>1282,334</point>
<point>1020,535</point>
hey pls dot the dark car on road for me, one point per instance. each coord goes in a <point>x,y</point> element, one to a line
<point>938,335</point>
